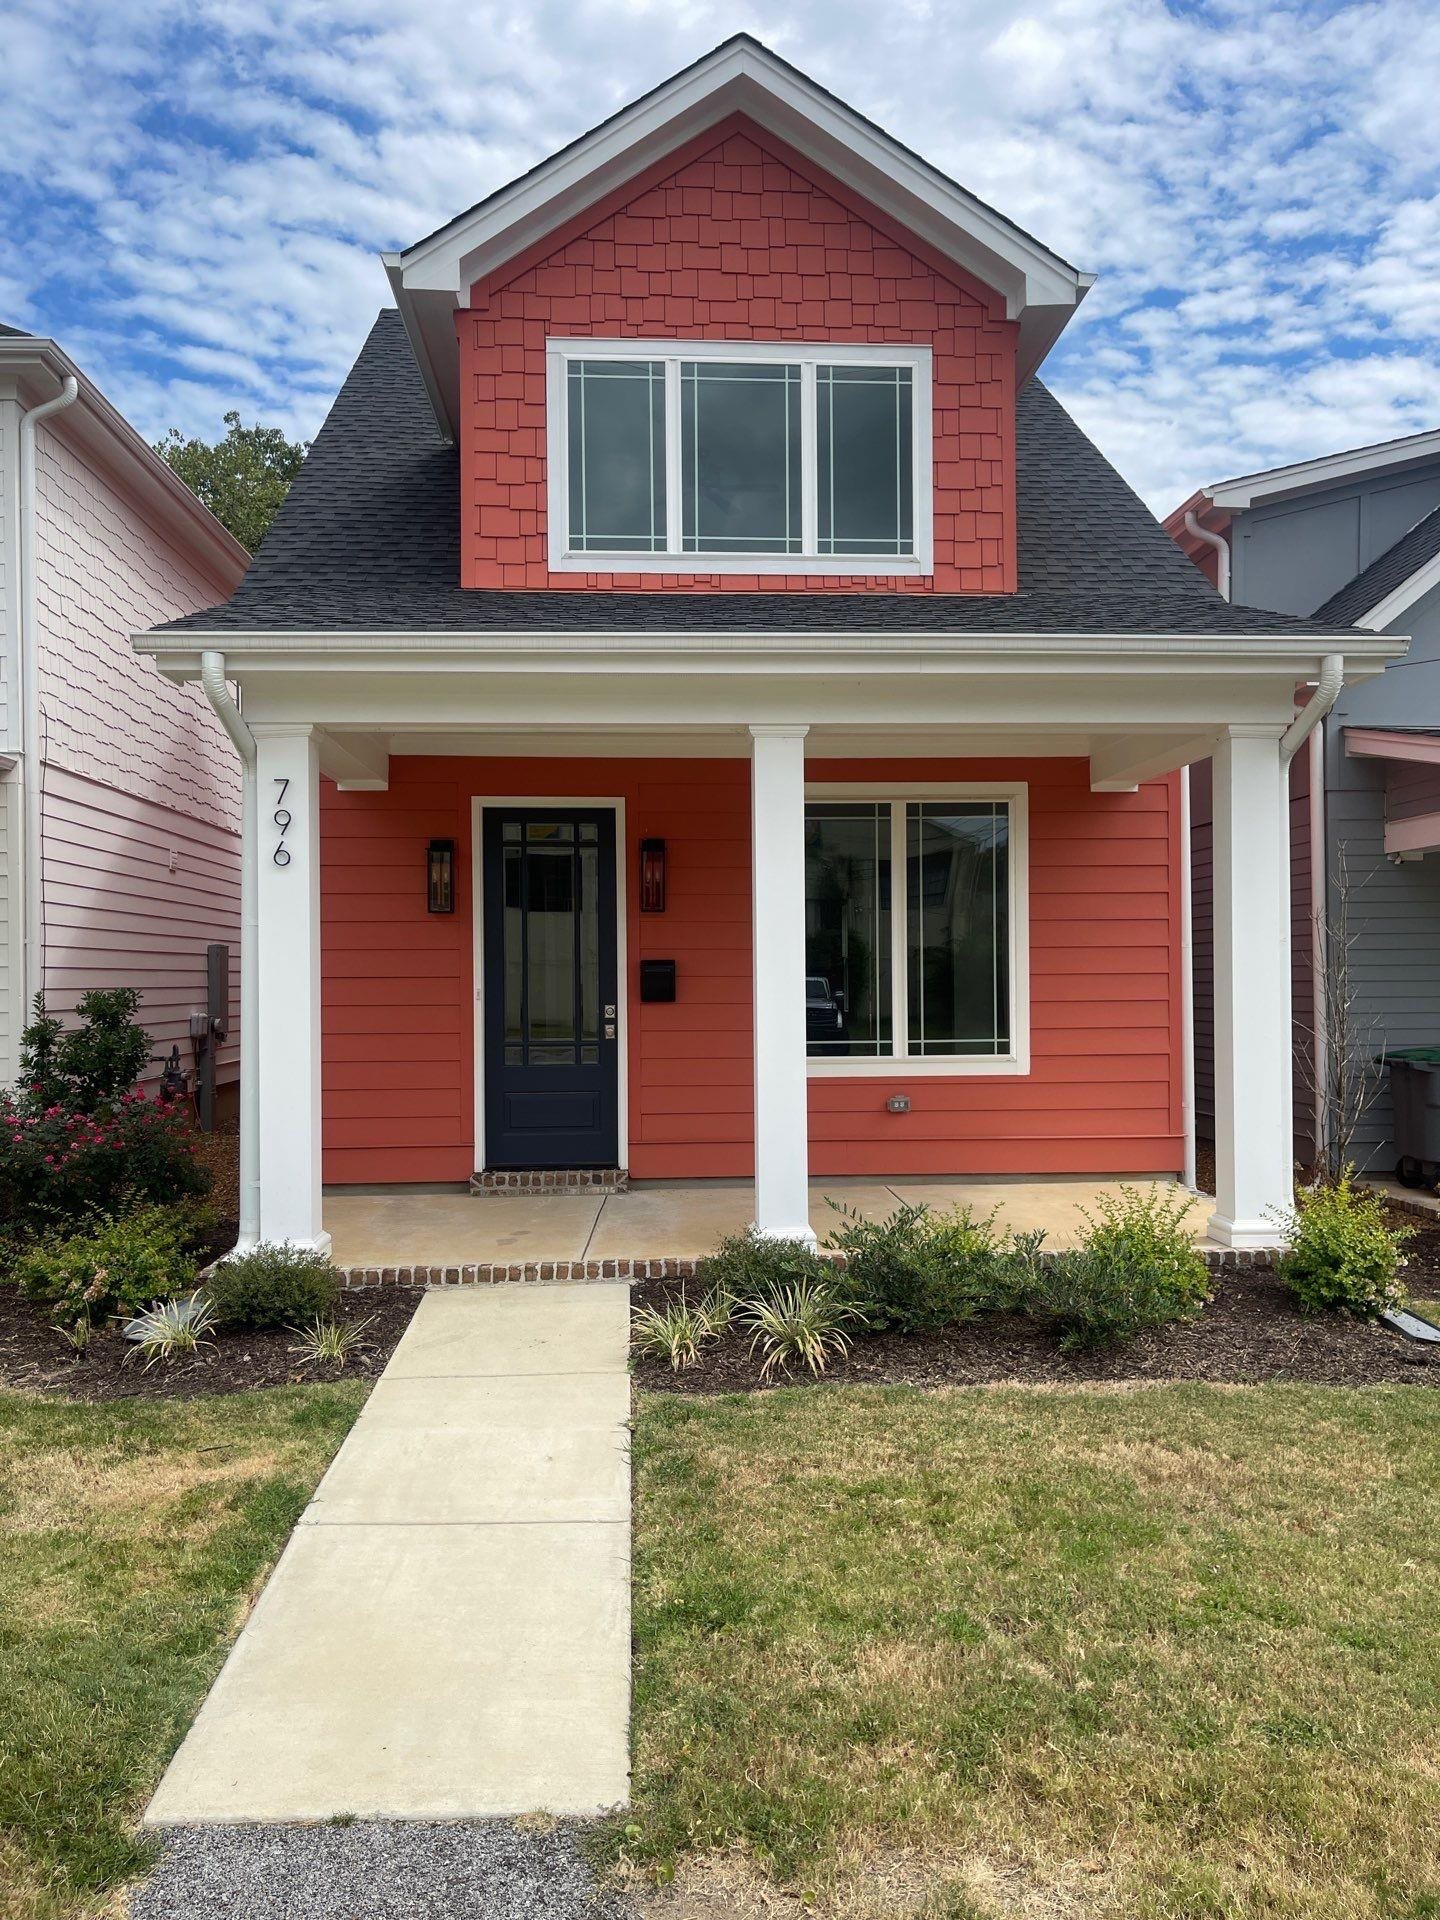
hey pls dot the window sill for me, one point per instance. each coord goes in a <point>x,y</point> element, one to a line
<point>916,1066</point>
<point>795,564</point>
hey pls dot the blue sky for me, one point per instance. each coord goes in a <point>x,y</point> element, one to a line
<point>196,194</point>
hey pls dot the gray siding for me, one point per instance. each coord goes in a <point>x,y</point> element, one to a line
<point>1290,557</point>
<point>1396,912</point>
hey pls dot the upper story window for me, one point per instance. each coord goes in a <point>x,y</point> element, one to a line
<point>737,456</point>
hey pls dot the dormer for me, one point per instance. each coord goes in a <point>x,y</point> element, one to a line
<point>737,337</point>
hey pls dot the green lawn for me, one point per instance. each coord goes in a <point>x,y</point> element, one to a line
<point>1167,1652</point>
<point>132,1536</point>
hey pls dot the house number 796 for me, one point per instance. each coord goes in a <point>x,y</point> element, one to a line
<point>282,818</point>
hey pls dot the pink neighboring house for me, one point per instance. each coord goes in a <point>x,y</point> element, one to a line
<point>119,795</point>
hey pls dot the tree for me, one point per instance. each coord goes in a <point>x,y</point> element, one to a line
<point>1340,1066</point>
<point>242,479</point>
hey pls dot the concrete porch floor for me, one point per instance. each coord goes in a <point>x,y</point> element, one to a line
<point>676,1219</point>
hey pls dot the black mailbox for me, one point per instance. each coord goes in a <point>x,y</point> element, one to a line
<point>657,979</point>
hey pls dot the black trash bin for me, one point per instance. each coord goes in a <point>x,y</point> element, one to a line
<point>1415,1097</point>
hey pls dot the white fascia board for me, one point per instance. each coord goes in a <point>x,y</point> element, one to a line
<point>1403,597</point>
<point>744,78</point>
<point>1248,489</point>
<point>762,653</point>
<point>106,436</point>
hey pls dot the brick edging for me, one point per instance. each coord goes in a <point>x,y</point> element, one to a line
<point>640,1267</point>
<point>551,1180</point>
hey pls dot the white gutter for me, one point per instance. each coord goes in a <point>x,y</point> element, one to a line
<point>1222,551</point>
<point>1187,987</point>
<point>32,844</point>
<point>212,679</point>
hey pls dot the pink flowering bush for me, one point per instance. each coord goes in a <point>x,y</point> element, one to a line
<point>78,1141</point>
<point>57,1168</point>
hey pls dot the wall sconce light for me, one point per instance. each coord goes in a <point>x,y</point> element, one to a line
<point>441,877</point>
<point>652,876</point>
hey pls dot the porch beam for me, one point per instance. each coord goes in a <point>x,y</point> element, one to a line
<point>356,762</point>
<point>1253,1147</point>
<point>287,971</point>
<point>1121,764</point>
<point>777,840</point>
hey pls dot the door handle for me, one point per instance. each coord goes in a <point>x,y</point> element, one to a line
<point>609,1029</point>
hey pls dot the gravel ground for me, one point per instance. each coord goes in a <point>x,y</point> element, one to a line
<point>380,1870</point>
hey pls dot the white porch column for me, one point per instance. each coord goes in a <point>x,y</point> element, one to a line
<point>777,843</point>
<point>287,972</point>
<point>1253,1150</point>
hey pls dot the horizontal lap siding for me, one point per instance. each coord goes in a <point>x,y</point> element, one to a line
<point>1102,1096</point>
<point>117,915</point>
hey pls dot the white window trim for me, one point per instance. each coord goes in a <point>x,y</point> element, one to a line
<point>804,354</point>
<point>905,1065</point>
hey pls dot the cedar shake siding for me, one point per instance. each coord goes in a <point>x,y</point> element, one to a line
<point>1103,1094</point>
<point>737,241</point>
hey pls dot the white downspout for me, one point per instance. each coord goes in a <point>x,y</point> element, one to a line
<point>212,679</point>
<point>33,826</point>
<point>1319,958</point>
<point>1327,692</point>
<point>1222,552</point>
<point>1187,986</point>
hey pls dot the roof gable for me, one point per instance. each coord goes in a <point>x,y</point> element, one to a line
<point>1040,289</point>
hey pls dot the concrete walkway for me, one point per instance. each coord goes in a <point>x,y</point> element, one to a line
<point>447,1635</point>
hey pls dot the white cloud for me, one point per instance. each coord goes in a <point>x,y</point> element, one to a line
<point>199,188</point>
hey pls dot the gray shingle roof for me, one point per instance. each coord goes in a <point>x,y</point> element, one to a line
<point>368,540</point>
<point>1384,574</point>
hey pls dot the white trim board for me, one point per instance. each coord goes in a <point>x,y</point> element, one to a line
<point>899,1066</point>
<point>579,802</point>
<point>808,356</point>
<point>433,277</point>
<point>1303,476</point>
<point>1400,599</point>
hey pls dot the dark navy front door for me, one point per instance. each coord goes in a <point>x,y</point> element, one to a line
<point>550,990</point>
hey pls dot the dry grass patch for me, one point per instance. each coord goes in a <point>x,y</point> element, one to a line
<point>1162,1654</point>
<point>133,1535</point>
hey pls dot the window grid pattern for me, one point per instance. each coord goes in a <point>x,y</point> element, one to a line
<point>907,908</point>
<point>760,458</point>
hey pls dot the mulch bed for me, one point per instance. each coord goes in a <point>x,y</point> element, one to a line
<point>1250,1334</point>
<point>34,1358</point>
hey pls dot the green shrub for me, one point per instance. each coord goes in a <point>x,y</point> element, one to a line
<point>1135,1267</point>
<point>84,1068</point>
<point>273,1286</point>
<point>119,1266</point>
<point>749,1266</point>
<point>804,1324</point>
<point>1343,1256</point>
<point>919,1271</point>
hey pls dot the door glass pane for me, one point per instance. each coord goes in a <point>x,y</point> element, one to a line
<point>865,484</point>
<point>550,945</point>
<point>740,457</point>
<point>514,946</point>
<point>847,929</point>
<point>589,942</point>
<point>957,931</point>
<point>616,428</point>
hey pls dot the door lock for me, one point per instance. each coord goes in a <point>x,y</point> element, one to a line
<point>609,1013</point>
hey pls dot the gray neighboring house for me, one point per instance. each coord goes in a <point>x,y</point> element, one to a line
<point>1352,539</point>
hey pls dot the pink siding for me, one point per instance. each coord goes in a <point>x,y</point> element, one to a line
<point>1411,790</point>
<point>134,769</point>
<point>133,894</point>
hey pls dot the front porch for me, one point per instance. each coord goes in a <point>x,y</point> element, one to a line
<point>664,1220</point>
<point>919,927</point>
